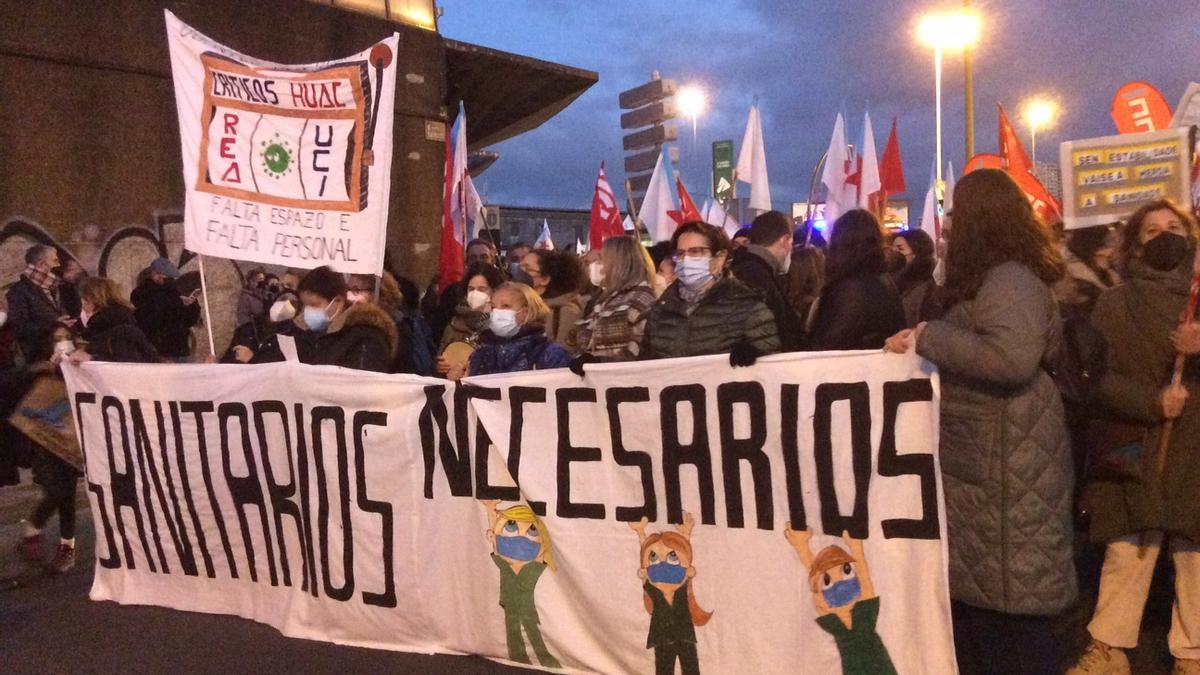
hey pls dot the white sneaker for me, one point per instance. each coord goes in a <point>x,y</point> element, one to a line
<point>1101,659</point>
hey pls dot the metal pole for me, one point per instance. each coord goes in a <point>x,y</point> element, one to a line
<point>969,97</point>
<point>212,349</point>
<point>937,89</point>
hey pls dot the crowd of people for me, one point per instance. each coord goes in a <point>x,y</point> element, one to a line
<point>1001,314</point>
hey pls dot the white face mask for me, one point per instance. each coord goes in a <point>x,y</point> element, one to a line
<point>787,263</point>
<point>477,299</point>
<point>84,315</point>
<point>596,273</point>
<point>3,318</point>
<point>63,348</point>
<point>503,322</point>
<point>356,297</point>
<point>282,310</point>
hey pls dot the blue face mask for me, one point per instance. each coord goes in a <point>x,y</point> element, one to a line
<point>518,548</point>
<point>843,592</point>
<point>694,272</point>
<point>666,573</point>
<point>316,319</point>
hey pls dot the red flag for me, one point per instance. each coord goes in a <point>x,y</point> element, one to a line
<point>687,208</point>
<point>450,262</point>
<point>606,217</point>
<point>891,172</point>
<point>1017,164</point>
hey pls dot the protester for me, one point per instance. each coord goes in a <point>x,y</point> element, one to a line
<point>664,266</point>
<point>1090,271</point>
<point>72,274</point>
<point>516,336</point>
<point>914,280</point>
<point>616,322</point>
<point>707,310</point>
<point>254,299</point>
<point>1005,459</point>
<point>360,336</point>
<point>1137,513</point>
<point>14,380</point>
<point>806,273</point>
<point>290,281</point>
<point>110,332</point>
<point>762,263</point>
<point>414,344</point>
<point>740,238</point>
<point>471,315</point>
<point>516,254</point>
<point>163,315</point>
<point>440,314</point>
<point>557,277</point>
<point>34,305</point>
<point>859,307</point>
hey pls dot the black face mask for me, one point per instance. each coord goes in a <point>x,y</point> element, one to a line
<point>1165,251</point>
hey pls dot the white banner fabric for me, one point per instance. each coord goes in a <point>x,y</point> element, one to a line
<point>793,519</point>
<point>284,164</point>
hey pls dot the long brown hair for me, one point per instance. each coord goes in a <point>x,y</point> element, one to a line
<point>103,293</point>
<point>994,224</point>
<point>680,543</point>
<point>1130,245</point>
<point>630,266</point>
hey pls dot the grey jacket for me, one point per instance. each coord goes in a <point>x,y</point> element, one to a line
<point>1005,456</point>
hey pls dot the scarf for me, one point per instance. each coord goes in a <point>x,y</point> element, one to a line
<point>47,281</point>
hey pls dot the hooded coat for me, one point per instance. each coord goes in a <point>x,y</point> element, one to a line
<point>163,317</point>
<point>1137,318</point>
<point>1006,461</point>
<point>363,337</point>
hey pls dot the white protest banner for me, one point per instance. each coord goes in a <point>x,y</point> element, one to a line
<point>780,518</point>
<point>1106,179</point>
<point>284,164</point>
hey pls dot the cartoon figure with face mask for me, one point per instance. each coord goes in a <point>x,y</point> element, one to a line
<point>666,572</point>
<point>846,603</point>
<point>521,549</point>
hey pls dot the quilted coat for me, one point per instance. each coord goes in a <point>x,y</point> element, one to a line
<point>529,349</point>
<point>1005,456</point>
<point>730,314</point>
<point>614,328</point>
<point>1137,319</point>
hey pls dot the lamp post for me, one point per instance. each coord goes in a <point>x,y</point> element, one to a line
<point>1039,112</point>
<point>945,31</point>
<point>691,102</point>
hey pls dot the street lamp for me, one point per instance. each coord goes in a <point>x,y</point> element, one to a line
<point>1039,112</point>
<point>691,101</point>
<point>946,31</point>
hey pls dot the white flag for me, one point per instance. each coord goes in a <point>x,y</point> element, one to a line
<point>948,198</point>
<point>834,175</point>
<point>752,163</point>
<point>544,241</point>
<point>868,166</point>
<point>655,205</point>
<point>715,214</point>
<point>929,215</point>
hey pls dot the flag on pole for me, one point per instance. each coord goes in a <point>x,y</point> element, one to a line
<point>715,214</point>
<point>865,177</point>
<point>891,170</point>
<point>752,163</point>
<point>605,221</point>
<point>931,221</point>
<point>460,204</point>
<point>1017,164</point>
<point>628,224</point>
<point>948,198</point>
<point>834,174</point>
<point>544,241</point>
<point>580,249</point>
<point>657,205</point>
<point>687,208</point>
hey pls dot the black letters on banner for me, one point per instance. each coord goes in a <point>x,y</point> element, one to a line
<point>750,449</point>
<point>245,489</point>
<point>198,408</point>
<point>636,458</point>
<point>336,415</point>
<point>305,501</point>
<point>892,464</point>
<point>144,451</point>
<point>696,453</point>
<point>124,485</point>
<point>363,419</point>
<point>113,559</point>
<point>456,462</point>
<point>859,396</point>
<point>789,428</point>
<point>282,495</point>
<point>171,511</point>
<point>186,487</point>
<point>517,398</point>
<point>483,444</point>
<point>568,453</point>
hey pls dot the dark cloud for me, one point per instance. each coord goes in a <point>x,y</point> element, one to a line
<point>806,61</point>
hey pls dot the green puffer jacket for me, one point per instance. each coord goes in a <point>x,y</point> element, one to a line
<point>731,313</point>
<point>1137,318</point>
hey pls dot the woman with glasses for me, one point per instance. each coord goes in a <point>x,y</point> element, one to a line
<point>706,310</point>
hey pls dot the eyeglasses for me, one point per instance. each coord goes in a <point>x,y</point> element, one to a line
<point>693,252</point>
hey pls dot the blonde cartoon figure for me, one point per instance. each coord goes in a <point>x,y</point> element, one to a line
<point>521,550</point>
<point>847,606</point>
<point>666,571</point>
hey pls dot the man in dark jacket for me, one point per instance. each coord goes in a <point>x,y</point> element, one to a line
<point>360,336</point>
<point>34,305</point>
<point>163,315</point>
<point>762,264</point>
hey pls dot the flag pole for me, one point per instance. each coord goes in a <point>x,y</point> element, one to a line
<point>1189,315</point>
<point>212,349</point>
<point>636,217</point>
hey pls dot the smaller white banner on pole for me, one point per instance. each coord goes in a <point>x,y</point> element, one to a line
<point>284,164</point>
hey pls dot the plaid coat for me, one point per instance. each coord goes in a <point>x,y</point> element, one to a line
<point>613,329</point>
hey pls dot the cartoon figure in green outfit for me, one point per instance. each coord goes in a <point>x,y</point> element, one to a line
<point>521,549</point>
<point>846,602</point>
<point>666,572</point>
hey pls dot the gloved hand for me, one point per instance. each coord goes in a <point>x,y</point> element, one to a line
<point>743,354</point>
<point>580,361</point>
